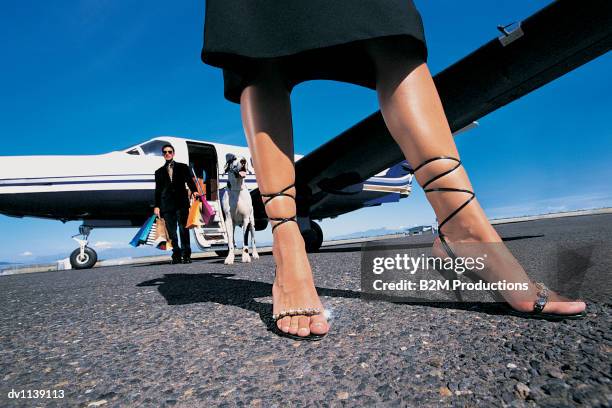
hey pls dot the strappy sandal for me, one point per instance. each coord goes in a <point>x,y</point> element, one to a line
<point>308,312</point>
<point>543,291</point>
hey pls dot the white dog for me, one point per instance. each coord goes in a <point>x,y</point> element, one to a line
<point>238,208</point>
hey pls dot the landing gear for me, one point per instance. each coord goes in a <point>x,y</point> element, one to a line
<point>85,260</point>
<point>222,253</point>
<point>313,237</point>
<point>83,257</point>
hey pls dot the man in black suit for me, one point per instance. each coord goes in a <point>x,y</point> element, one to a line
<point>172,202</point>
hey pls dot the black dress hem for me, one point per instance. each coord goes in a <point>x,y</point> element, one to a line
<point>317,39</point>
<point>345,61</point>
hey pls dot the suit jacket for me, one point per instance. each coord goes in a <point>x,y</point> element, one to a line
<point>170,196</point>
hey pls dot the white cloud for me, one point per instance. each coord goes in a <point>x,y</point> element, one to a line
<point>109,245</point>
<point>26,253</point>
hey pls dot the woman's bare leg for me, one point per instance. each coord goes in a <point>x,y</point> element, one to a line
<point>414,115</point>
<point>266,117</point>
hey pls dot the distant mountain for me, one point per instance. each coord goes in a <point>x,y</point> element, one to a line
<point>7,265</point>
<point>111,253</point>
<point>380,231</point>
<point>371,233</point>
<point>103,254</point>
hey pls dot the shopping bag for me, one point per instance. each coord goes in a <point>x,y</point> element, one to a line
<point>147,230</point>
<point>201,186</point>
<point>143,233</point>
<point>194,218</point>
<point>207,211</point>
<point>150,239</point>
<point>162,238</point>
<point>136,240</point>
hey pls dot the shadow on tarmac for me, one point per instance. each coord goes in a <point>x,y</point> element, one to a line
<point>179,289</point>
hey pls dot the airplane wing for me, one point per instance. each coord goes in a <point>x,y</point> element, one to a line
<point>545,46</point>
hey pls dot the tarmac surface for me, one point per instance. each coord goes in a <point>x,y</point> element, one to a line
<point>196,335</point>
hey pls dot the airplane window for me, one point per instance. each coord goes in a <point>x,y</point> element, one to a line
<point>153,148</point>
<point>134,152</point>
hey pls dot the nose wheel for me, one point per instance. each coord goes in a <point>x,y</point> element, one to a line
<point>83,257</point>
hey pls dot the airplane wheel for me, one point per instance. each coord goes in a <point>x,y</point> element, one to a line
<point>88,260</point>
<point>313,238</point>
<point>222,253</point>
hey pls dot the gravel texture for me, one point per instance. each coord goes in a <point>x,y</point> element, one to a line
<point>195,335</point>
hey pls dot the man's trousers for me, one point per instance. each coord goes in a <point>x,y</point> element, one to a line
<point>172,218</point>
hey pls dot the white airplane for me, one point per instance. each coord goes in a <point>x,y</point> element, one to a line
<point>116,190</point>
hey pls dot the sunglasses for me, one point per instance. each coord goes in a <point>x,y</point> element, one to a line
<point>168,152</point>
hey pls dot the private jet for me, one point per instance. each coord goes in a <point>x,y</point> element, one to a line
<point>360,167</point>
<point>116,190</point>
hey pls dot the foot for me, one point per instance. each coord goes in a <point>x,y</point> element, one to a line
<point>294,285</point>
<point>229,260</point>
<point>501,265</point>
<point>246,258</point>
<point>469,234</point>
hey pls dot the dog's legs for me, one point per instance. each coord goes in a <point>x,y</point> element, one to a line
<point>252,229</point>
<point>245,242</point>
<point>229,224</point>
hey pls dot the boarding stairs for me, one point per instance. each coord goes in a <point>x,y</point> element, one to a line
<point>214,234</point>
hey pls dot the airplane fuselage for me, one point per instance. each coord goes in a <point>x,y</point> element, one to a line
<point>117,189</point>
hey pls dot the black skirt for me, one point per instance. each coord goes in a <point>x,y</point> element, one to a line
<point>314,39</point>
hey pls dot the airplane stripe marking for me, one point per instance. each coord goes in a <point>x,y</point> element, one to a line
<point>386,189</point>
<point>52,183</point>
<point>4,191</point>
<point>91,176</point>
<point>388,184</point>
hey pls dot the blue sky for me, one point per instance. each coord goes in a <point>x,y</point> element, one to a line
<point>91,76</point>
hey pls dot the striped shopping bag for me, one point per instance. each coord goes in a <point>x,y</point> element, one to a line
<point>143,233</point>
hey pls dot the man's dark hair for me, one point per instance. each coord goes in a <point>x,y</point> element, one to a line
<point>167,145</point>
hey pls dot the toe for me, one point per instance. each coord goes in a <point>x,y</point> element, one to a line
<point>283,324</point>
<point>318,325</point>
<point>303,326</point>
<point>565,308</point>
<point>575,307</point>
<point>561,305</point>
<point>293,327</point>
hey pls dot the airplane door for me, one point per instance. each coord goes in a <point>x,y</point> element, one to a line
<point>203,160</point>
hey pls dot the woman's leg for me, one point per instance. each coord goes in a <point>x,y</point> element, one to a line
<point>414,115</point>
<point>266,117</point>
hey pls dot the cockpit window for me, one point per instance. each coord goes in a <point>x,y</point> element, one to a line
<point>153,148</point>
<point>135,152</point>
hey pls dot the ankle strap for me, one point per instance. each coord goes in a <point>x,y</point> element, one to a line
<point>279,194</point>
<point>445,189</point>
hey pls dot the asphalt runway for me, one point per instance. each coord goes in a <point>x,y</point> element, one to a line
<point>195,336</point>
